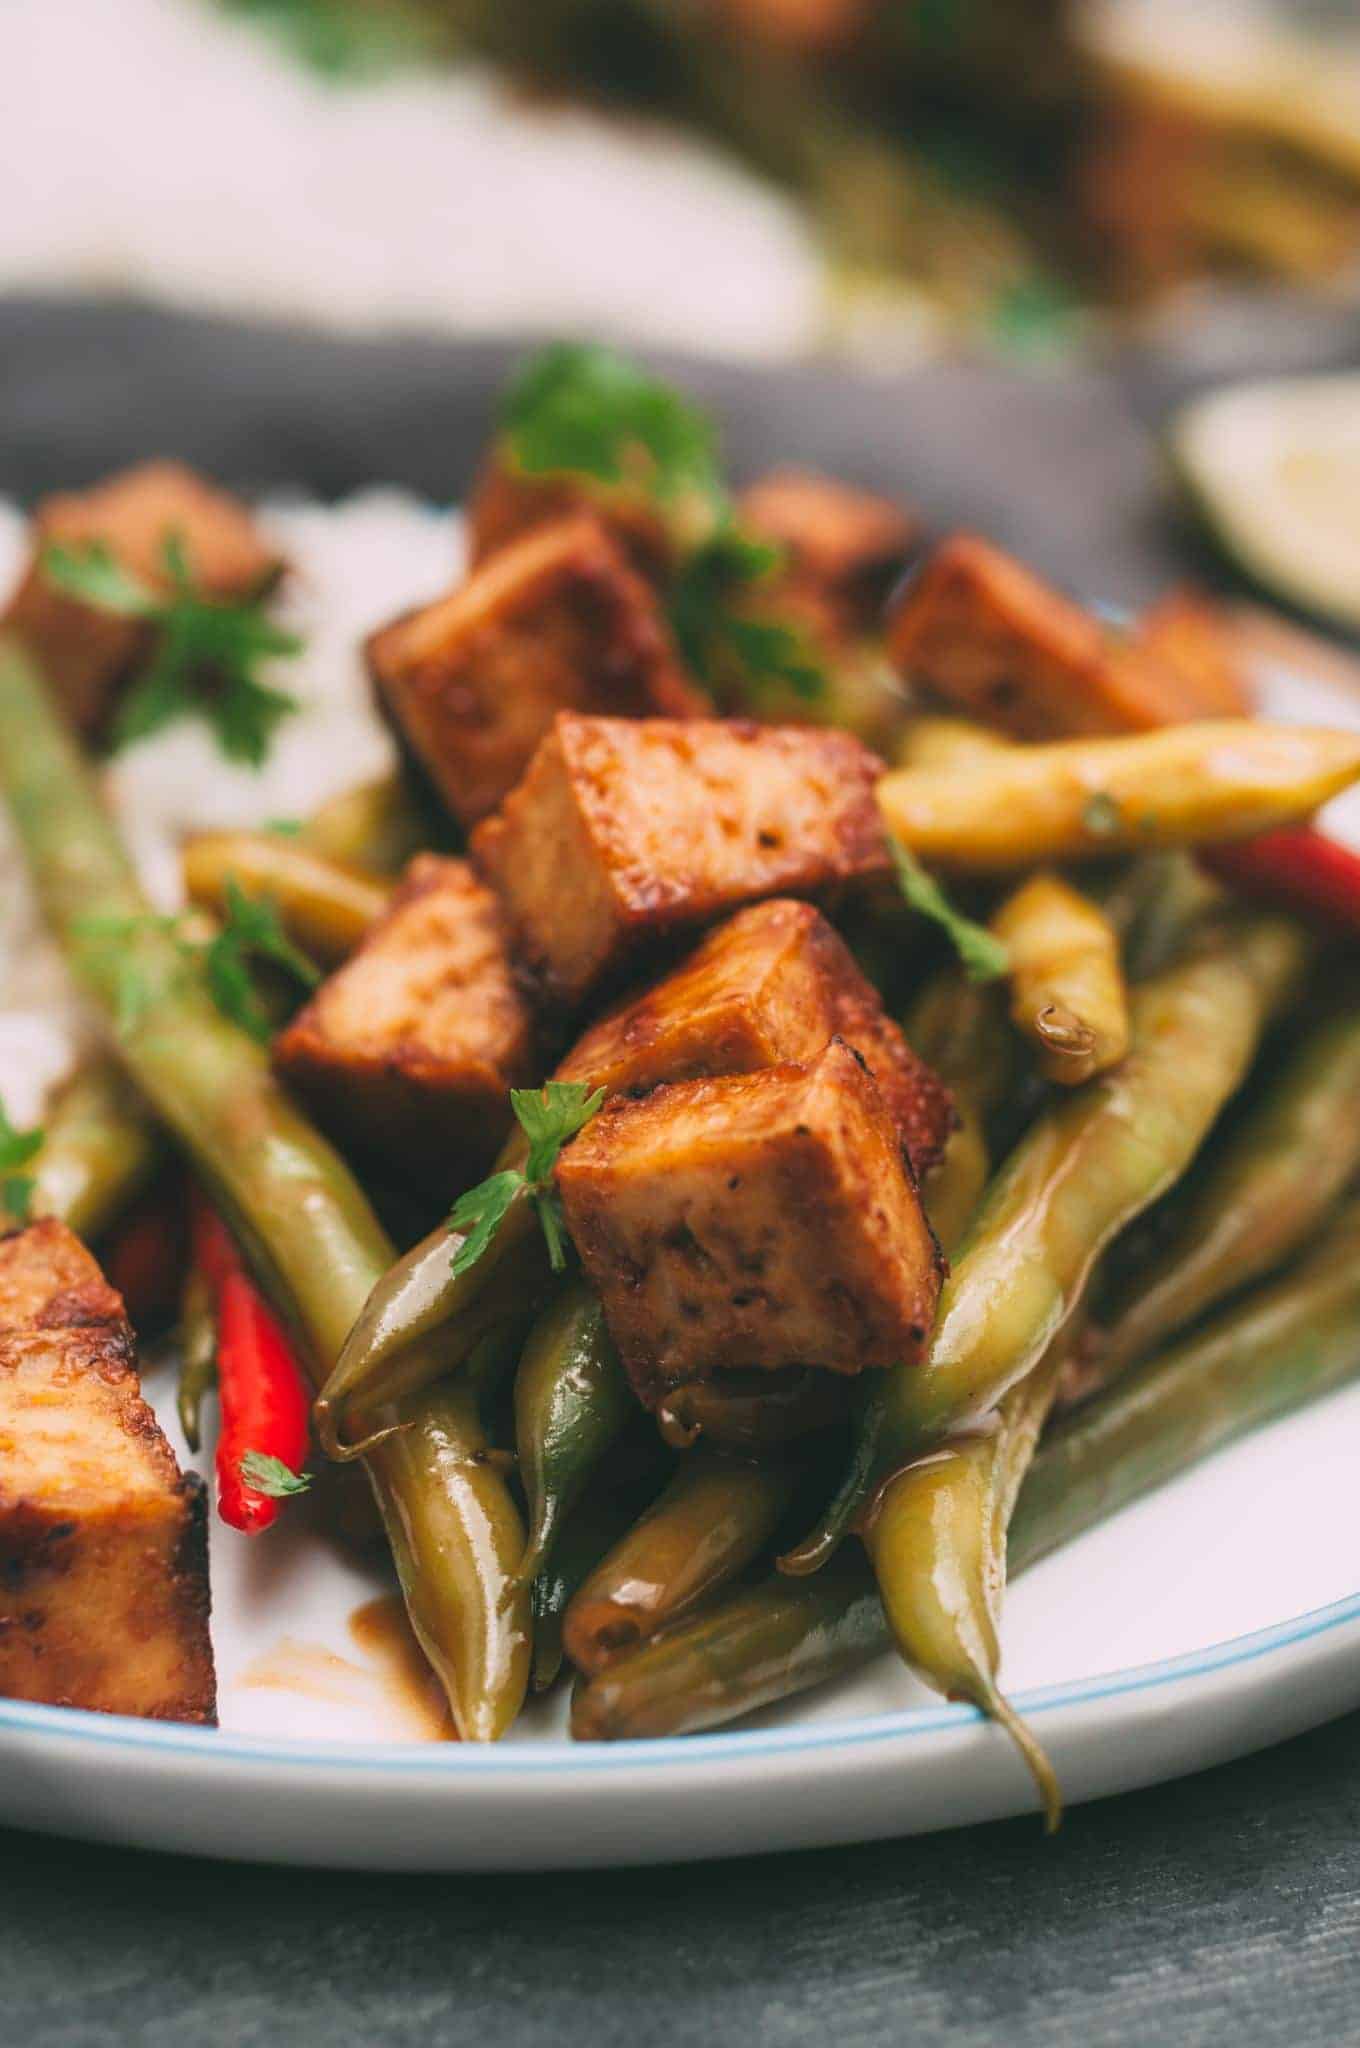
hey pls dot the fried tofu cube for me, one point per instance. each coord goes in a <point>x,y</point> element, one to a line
<point>774,983</point>
<point>623,833</point>
<point>88,654</point>
<point>507,502</point>
<point>759,1221</point>
<point>103,1546</point>
<point>843,545</point>
<point>407,1053</point>
<point>1189,633</point>
<point>983,633</point>
<point>558,622</point>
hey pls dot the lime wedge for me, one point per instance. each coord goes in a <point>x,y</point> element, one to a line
<point>1274,470</point>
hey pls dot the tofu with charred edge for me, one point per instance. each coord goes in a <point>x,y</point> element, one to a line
<point>103,1546</point>
<point>557,622</point>
<point>409,1050</point>
<point>88,654</point>
<point>843,546</point>
<point>774,983</point>
<point>624,833</point>
<point>758,1221</point>
<point>985,634</point>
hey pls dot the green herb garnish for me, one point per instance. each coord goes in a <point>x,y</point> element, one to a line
<point>17,1148</point>
<point>264,1473</point>
<point>980,952</point>
<point>206,655</point>
<point>548,1116</point>
<point>587,410</point>
<point>590,412</point>
<point>250,930</point>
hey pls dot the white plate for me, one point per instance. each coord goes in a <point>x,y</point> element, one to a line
<point>1213,1618</point>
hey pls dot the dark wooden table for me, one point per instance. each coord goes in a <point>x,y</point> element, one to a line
<point>1222,1909</point>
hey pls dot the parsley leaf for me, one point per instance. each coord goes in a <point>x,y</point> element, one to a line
<point>740,654</point>
<point>92,576</point>
<point>1101,814</point>
<point>479,1213</point>
<point>548,1116</point>
<point>16,1150</point>
<point>251,930</point>
<point>206,655</point>
<point>266,1474</point>
<point>983,956</point>
<point>573,407</point>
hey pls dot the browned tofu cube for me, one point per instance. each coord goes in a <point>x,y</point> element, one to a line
<point>843,545</point>
<point>623,833</point>
<point>103,1547</point>
<point>558,622</point>
<point>87,654</point>
<point>772,984</point>
<point>407,1053</point>
<point>507,502</point>
<point>1190,634</point>
<point>981,631</point>
<point>764,1220</point>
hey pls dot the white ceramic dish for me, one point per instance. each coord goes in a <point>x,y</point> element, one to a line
<point>1218,1616</point>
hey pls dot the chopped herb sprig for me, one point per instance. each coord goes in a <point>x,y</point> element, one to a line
<point>250,932</point>
<point>17,1148</point>
<point>548,1116</point>
<point>266,1474</point>
<point>981,953</point>
<point>207,650</point>
<point>589,412</point>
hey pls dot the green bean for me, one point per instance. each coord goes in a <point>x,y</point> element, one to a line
<point>297,1209</point>
<point>589,1532</point>
<point>1081,1173</point>
<point>1275,1177</point>
<point>778,1639</point>
<point>197,1343</point>
<point>1280,1347</point>
<point>937,1539</point>
<point>712,1519</point>
<point>327,908</point>
<point>959,1028</point>
<point>101,1147</point>
<point>421,1318</point>
<point>1286,1343</point>
<point>379,825</point>
<point>457,1538</point>
<point>571,1402</point>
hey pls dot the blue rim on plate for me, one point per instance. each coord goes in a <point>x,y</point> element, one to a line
<point>447,1759</point>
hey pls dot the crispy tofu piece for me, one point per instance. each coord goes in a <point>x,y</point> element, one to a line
<point>626,832</point>
<point>774,983</point>
<point>103,1545</point>
<point>558,622</point>
<point>983,633</point>
<point>845,546</point>
<point>507,502</point>
<point>1190,634</point>
<point>758,1221</point>
<point>407,1053</point>
<point>88,654</point>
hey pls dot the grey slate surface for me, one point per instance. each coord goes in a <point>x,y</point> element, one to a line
<point>1222,1909</point>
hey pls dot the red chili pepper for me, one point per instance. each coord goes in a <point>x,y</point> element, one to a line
<point>263,1395</point>
<point>1296,867</point>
